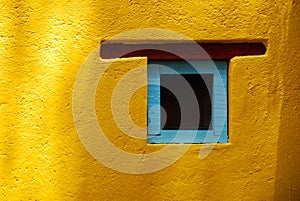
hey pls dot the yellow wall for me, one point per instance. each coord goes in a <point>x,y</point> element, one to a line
<point>43,45</point>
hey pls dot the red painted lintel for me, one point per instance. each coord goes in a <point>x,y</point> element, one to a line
<point>168,50</point>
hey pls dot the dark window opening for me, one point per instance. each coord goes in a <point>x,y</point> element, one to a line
<point>171,117</point>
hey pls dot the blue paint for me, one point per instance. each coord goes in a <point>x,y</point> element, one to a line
<point>218,132</point>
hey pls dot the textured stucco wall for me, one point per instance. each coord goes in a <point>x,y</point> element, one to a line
<point>43,45</point>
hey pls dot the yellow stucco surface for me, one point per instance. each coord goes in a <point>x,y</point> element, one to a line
<point>43,44</point>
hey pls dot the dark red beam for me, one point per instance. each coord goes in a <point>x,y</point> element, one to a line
<point>178,51</point>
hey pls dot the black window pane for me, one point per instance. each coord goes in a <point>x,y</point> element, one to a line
<point>200,87</point>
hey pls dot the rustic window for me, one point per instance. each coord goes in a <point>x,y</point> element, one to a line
<point>187,101</point>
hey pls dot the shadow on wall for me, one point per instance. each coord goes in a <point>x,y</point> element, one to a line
<point>287,185</point>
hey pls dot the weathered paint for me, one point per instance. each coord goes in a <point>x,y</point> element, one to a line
<point>43,45</point>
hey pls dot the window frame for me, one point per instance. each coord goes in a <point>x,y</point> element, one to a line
<point>219,130</point>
